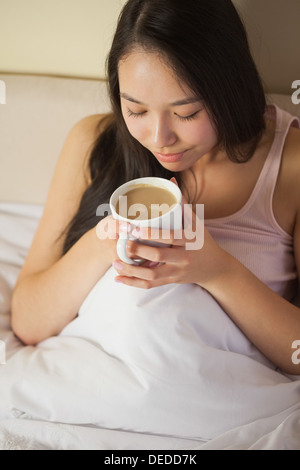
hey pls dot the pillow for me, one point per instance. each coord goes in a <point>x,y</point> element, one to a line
<point>38,114</point>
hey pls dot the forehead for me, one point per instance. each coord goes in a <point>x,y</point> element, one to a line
<point>149,73</point>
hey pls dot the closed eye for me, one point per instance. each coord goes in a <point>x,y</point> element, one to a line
<point>188,118</point>
<point>135,115</point>
<point>182,118</point>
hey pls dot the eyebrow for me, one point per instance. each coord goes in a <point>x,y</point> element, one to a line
<point>182,102</point>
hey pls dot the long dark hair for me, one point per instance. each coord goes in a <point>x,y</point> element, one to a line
<point>205,43</point>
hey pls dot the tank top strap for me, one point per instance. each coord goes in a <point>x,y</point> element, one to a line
<point>252,234</point>
<point>262,202</point>
<point>270,171</point>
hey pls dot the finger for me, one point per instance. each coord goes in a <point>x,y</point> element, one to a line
<point>176,238</point>
<point>145,277</point>
<point>135,282</point>
<point>143,271</point>
<point>152,253</point>
<point>150,264</point>
<point>164,236</point>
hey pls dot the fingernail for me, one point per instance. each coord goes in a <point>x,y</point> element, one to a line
<point>153,264</point>
<point>118,280</point>
<point>117,265</point>
<point>124,227</point>
<point>136,232</point>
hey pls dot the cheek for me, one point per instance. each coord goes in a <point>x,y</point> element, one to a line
<point>136,128</point>
<point>196,134</point>
<point>204,133</point>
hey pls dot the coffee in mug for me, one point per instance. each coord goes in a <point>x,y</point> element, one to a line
<point>145,201</point>
<point>150,202</point>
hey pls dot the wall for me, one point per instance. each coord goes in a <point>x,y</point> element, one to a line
<point>274,35</point>
<point>58,37</point>
<point>72,37</point>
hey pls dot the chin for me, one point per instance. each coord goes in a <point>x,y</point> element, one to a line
<point>175,167</point>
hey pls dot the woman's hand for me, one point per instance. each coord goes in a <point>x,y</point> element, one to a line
<point>177,263</point>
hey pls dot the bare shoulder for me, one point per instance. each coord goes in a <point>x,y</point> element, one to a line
<point>291,159</point>
<point>82,137</point>
<point>292,163</point>
<point>69,182</point>
<point>286,199</point>
<point>88,128</point>
<point>71,176</point>
<point>293,139</point>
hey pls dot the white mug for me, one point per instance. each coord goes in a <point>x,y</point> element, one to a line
<point>171,220</point>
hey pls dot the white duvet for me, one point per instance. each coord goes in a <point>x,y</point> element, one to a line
<point>160,368</point>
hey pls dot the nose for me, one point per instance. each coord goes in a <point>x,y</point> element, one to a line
<point>163,134</point>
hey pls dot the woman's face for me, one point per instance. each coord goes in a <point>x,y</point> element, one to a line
<point>162,113</point>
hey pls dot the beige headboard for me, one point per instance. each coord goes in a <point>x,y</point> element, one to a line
<point>38,114</point>
<point>52,56</point>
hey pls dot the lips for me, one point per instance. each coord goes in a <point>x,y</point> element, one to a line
<point>169,157</point>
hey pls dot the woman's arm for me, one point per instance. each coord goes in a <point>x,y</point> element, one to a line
<point>44,302</point>
<point>51,288</point>
<point>269,321</point>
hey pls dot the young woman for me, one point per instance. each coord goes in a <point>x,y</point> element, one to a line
<point>187,103</point>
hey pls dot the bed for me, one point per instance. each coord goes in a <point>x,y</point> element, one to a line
<point>97,386</point>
